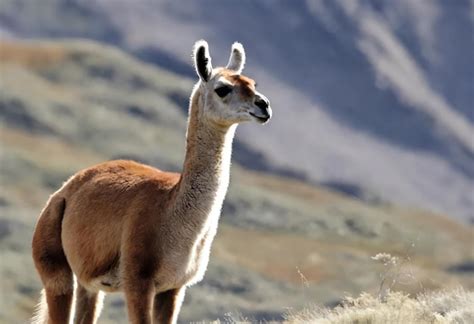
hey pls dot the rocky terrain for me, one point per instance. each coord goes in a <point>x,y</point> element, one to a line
<point>65,105</point>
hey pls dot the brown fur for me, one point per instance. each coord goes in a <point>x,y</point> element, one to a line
<point>245,85</point>
<point>125,226</point>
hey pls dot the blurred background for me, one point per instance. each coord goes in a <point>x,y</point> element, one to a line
<point>370,148</point>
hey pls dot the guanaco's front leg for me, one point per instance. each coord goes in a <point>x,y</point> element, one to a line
<point>139,298</point>
<point>166,306</point>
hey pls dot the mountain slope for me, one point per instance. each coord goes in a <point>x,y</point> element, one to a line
<point>374,96</point>
<point>70,104</point>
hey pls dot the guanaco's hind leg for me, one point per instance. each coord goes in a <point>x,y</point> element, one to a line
<point>51,263</point>
<point>166,306</point>
<point>88,305</point>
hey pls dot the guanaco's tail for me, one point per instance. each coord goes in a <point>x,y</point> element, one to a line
<point>41,311</point>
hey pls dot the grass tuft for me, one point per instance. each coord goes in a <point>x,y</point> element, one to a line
<point>454,306</point>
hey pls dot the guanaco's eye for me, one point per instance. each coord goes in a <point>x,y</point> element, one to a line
<point>223,91</point>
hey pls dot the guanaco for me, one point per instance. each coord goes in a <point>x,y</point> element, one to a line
<point>126,226</point>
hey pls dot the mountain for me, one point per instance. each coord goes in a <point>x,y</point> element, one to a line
<point>66,105</point>
<point>371,98</point>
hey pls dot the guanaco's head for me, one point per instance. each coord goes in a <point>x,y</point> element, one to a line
<point>229,97</point>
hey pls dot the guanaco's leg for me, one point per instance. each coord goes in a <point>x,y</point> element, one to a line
<point>88,305</point>
<point>51,263</point>
<point>166,306</point>
<point>59,306</point>
<point>139,297</point>
<point>138,273</point>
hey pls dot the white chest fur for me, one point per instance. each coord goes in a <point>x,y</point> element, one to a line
<point>189,260</point>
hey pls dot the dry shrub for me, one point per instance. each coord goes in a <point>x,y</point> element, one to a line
<point>455,306</point>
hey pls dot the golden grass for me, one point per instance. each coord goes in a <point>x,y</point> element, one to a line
<point>299,260</point>
<point>31,55</point>
<point>271,254</point>
<point>442,307</point>
<point>50,152</point>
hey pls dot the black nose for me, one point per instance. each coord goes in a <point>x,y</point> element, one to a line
<point>261,103</point>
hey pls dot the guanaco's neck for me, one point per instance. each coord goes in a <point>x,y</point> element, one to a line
<point>205,175</point>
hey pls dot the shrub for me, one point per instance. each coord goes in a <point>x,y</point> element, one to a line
<point>455,306</point>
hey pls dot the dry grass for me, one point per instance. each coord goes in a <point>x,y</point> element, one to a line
<point>31,55</point>
<point>455,306</point>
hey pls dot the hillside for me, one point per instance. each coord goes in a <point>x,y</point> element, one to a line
<point>381,90</point>
<point>65,105</point>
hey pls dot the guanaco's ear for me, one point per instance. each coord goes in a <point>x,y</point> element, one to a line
<point>202,60</point>
<point>237,58</point>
